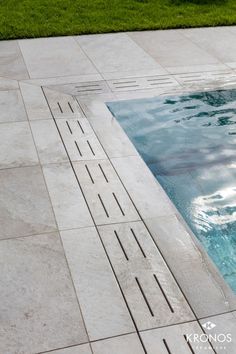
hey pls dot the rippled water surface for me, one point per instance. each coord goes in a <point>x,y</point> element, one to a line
<point>189,143</point>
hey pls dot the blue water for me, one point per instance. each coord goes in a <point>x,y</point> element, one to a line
<point>189,143</point>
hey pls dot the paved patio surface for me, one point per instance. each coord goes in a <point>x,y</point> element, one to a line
<point>94,257</point>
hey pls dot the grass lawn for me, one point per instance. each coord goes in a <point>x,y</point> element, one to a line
<point>38,18</point>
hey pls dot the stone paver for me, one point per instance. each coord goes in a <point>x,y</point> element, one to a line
<point>25,207</point>
<point>39,309</point>
<point>67,200</point>
<point>17,145</point>
<point>11,106</point>
<point>11,61</point>
<point>91,270</point>
<point>50,57</point>
<point>94,257</point>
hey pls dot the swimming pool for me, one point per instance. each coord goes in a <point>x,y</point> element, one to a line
<point>189,143</point>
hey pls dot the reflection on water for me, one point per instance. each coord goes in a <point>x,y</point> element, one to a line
<point>189,143</point>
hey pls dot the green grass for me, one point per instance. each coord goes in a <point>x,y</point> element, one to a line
<point>38,18</point>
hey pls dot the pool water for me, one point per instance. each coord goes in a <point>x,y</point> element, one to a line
<point>189,143</point>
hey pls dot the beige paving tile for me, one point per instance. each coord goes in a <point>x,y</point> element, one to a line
<point>11,61</point>
<point>8,84</point>
<point>48,142</point>
<point>17,146</point>
<point>51,57</point>
<point>35,102</point>
<point>128,344</point>
<point>11,106</point>
<point>39,309</point>
<point>116,52</point>
<point>103,307</point>
<point>68,203</point>
<point>171,49</point>
<point>218,42</point>
<point>25,208</point>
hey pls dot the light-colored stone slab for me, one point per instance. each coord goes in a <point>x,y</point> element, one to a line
<point>103,307</point>
<point>171,48</point>
<point>112,137</point>
<point>128,344</point>
<point>80,140</point>
<point>175,339</point>
<point>116,52</point>
<point>25,208</point>
<point>48,142</point>
<point>224,330</point>
<point>67,200</point>
<point>106,197</point>
<point>11,106</point>
<point>17,146</point>
<point>39,309</point>
<point>8,84</point>
<point>142,83</point>
<point>133,73</point>
<point>204,288</point>
<point>197,68</point>
<point>79,349</point>
<point>62,105</point>
<point>219,42</point>
<point>11,61</point>
<point>152,294</point>
<point>51,57</point>
<point>84,88</point>
<point>35,102</point>
<point>147,194</point>
<point>64,80</point>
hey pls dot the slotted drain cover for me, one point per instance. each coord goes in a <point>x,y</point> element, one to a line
<point>142,83</point>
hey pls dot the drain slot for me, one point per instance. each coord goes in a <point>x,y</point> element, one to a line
<point>90,147</point>
<point>78,148</point>
<point>189,345</point>
<point>68,125</point>
<point>70,107</point>
<point>82,130</point>
<point>121,246</point>
<point>166,346</point>
<point>144,297</point>
<point>163,293</point>
<point>140,247</point>
<point>118,204</point>
<point>103,172</point>
<point>101,201</point>
<point>89,174</point>
<point>59,107</point>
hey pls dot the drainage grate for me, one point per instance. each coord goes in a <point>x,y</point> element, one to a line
<point>83,88</point>
<point>104,192</point>
<point>178,339</point>
<point>62,105</point>
<point>79,139</point>
<point>142,83</point>
<point>152,294</point>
